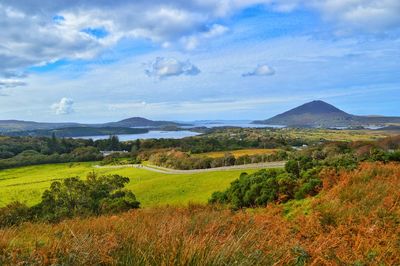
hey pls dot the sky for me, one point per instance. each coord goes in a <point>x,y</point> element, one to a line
<point>185,60</point>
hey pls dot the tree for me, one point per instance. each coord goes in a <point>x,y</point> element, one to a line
<point>94,196</point>
<point>293,167</point>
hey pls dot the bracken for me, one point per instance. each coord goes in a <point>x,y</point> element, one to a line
<point>354,220</point>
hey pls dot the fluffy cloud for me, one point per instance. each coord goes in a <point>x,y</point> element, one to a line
<point>166,67</point>
<point>260,70</point>
<point>56,28</point>
<point>37,32</point>
<point>64,107</point>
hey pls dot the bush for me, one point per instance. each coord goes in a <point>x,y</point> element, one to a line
<point>83,154</point>
<point>394,156</point>
<point>309,188</point>
<point>259,189</point>
<point>14,214</point>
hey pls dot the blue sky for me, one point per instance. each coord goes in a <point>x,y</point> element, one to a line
<point>95,61</point>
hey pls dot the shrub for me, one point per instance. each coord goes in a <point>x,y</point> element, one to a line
<point>13,214</point>
<point>261,188</point>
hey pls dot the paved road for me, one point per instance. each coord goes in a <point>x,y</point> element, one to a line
<point>174,171</point>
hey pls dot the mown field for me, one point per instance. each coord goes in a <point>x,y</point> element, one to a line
<point>26,184</point>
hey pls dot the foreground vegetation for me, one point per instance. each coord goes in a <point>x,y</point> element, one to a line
<point>354,221</point>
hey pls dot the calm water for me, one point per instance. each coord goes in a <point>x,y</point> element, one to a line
<point>150,135</point>
<point>155,134</point>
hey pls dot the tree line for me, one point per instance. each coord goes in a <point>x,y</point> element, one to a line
<point>187,161</point>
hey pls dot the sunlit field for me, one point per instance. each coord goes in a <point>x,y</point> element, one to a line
<point>26,184</point>
<point>238,153</point>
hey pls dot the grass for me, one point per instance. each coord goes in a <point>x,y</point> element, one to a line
<point>238,153</point>
<point>311,134</point>
<point>26,184</point>
<point>337,135</point>
<point>353,221</point>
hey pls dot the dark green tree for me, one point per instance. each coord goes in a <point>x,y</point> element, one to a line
<point>94,196</point>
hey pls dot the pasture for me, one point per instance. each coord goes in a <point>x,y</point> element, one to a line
<point>26,184</point>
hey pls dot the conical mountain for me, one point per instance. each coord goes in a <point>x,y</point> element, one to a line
<point>312,114</point>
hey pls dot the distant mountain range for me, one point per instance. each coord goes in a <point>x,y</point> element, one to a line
<point>322,114</point>
<point>8,126</point>
<point>312,114</point>
<point>142,122</point>
<point>70,132</point>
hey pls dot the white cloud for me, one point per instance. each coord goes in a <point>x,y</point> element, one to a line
<point>260,70</point>
<point>351,16</point>
<point>193,41</point>
<point>64,107</point>
<point>166,67</point>
<point>38,32</point>
<point>366,15</point>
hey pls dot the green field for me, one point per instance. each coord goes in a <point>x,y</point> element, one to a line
<point>26,184</point>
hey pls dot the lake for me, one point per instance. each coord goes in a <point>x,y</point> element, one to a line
<point>158,134</point>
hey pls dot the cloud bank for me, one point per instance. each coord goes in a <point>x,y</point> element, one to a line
<point>37,32</point>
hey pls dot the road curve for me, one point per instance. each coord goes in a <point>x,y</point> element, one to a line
<point>164,170</point>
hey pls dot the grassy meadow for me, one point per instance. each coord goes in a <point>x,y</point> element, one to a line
<point>26,184</point>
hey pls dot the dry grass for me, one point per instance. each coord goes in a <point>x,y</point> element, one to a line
<point>355,221</point>
<point>237,153</point>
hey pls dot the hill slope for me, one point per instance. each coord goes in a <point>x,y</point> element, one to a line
<point>141,122</point>
<point>20,126</point>
<point>322,114</point>
<point>70,132</point>
<point>353,222</point>
<point>17,125</point>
